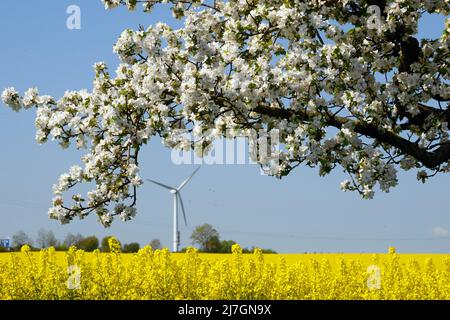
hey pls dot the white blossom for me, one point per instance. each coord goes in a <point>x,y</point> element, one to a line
<point>11,98</point>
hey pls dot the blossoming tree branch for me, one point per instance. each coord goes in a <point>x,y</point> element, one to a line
<point>344,88</point>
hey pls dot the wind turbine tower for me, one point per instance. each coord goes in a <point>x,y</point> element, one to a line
<point>177,200</point>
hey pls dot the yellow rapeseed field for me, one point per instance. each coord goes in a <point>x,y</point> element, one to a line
<point>161,275</point>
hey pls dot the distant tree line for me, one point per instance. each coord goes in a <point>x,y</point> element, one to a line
<point>46,238</point>
<point>207,238</point>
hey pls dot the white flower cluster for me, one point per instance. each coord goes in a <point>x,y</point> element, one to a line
<point>11,98</point>
<point>339,93</point>
<point>110,4</point>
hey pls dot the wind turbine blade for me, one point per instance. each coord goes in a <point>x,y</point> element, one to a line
<point>162,185</point>
<point>182,208</point>
<point>187,180</point>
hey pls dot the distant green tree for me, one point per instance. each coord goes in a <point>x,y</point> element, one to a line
<point>72,239</point>
<point>131,247</point>
<point>61,247</point>
<point>225,246</point>
<point>46,239</point>
<point>104,246</point>
<point>206,237</point>
<point>20,238</point>
<point>212,245</point>
<point>268,251</point>
<point>156,244</point>
<point>88,244</point>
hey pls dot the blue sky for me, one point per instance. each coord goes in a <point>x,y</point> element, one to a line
<point>301,212</point>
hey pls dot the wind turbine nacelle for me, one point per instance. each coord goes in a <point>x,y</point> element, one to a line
<point>173,191</point>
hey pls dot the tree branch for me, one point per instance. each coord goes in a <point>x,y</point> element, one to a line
<point>430,160</point>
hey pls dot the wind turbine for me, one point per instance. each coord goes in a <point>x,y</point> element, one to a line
<point>176,198</point>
